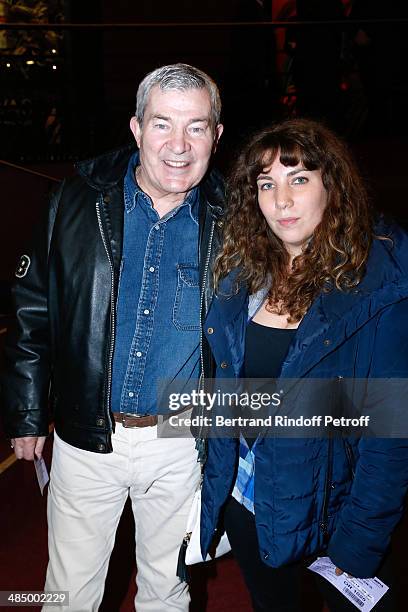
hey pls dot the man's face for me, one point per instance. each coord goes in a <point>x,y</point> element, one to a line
<point>175,141</point>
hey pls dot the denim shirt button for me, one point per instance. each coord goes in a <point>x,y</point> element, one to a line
<point>210,330</point>
<point>224,365</point>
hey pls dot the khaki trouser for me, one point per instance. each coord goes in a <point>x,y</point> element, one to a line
<point>85,501</point>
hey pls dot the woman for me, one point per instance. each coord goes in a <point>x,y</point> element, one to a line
<point>307,287</point>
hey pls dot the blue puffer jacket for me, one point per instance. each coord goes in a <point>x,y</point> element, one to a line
<point>359,334</point>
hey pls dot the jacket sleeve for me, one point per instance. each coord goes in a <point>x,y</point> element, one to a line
<point>378,492</point>
<point>26,378</point>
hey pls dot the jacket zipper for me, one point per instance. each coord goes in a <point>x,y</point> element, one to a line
<point>200,443</point>
<point>202,299</point>
<point>112,340</point>
<point>327,487</point>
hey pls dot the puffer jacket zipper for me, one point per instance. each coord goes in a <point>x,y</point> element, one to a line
<point>327,489</point>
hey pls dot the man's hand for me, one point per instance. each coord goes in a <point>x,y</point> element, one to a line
<point>27,447</point>
<point>338,571</point>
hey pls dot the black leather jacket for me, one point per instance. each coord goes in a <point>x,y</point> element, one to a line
<point>61,345</point>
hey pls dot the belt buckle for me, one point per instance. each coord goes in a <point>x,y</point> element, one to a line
<point>133,416</point>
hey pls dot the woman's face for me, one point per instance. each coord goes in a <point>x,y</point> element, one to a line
<point>292,200</point>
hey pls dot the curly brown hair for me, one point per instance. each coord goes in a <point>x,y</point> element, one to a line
<point>337,253</point>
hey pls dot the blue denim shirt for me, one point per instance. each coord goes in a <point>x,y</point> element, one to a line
<point>158,326</point>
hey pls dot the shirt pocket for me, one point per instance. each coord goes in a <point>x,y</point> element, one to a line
<point>186,309</point>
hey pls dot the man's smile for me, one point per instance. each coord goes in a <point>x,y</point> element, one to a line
<point>176,164</point>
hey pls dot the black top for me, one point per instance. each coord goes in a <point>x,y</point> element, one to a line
<point>265,350</point>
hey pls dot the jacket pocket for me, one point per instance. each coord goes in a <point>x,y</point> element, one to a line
<point>186,309</point>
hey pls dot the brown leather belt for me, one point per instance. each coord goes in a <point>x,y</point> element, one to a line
<point>143,420</point>
<point>135,420</point>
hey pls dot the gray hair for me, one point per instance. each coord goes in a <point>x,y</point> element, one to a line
<point>179,77</point>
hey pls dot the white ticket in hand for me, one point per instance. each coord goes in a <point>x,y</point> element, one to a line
<point>364,593</point>
<point>42,473</point>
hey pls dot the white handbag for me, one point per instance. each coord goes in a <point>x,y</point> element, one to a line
<point>190,551</point>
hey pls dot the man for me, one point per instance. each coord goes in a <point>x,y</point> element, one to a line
<point>108,303</point>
